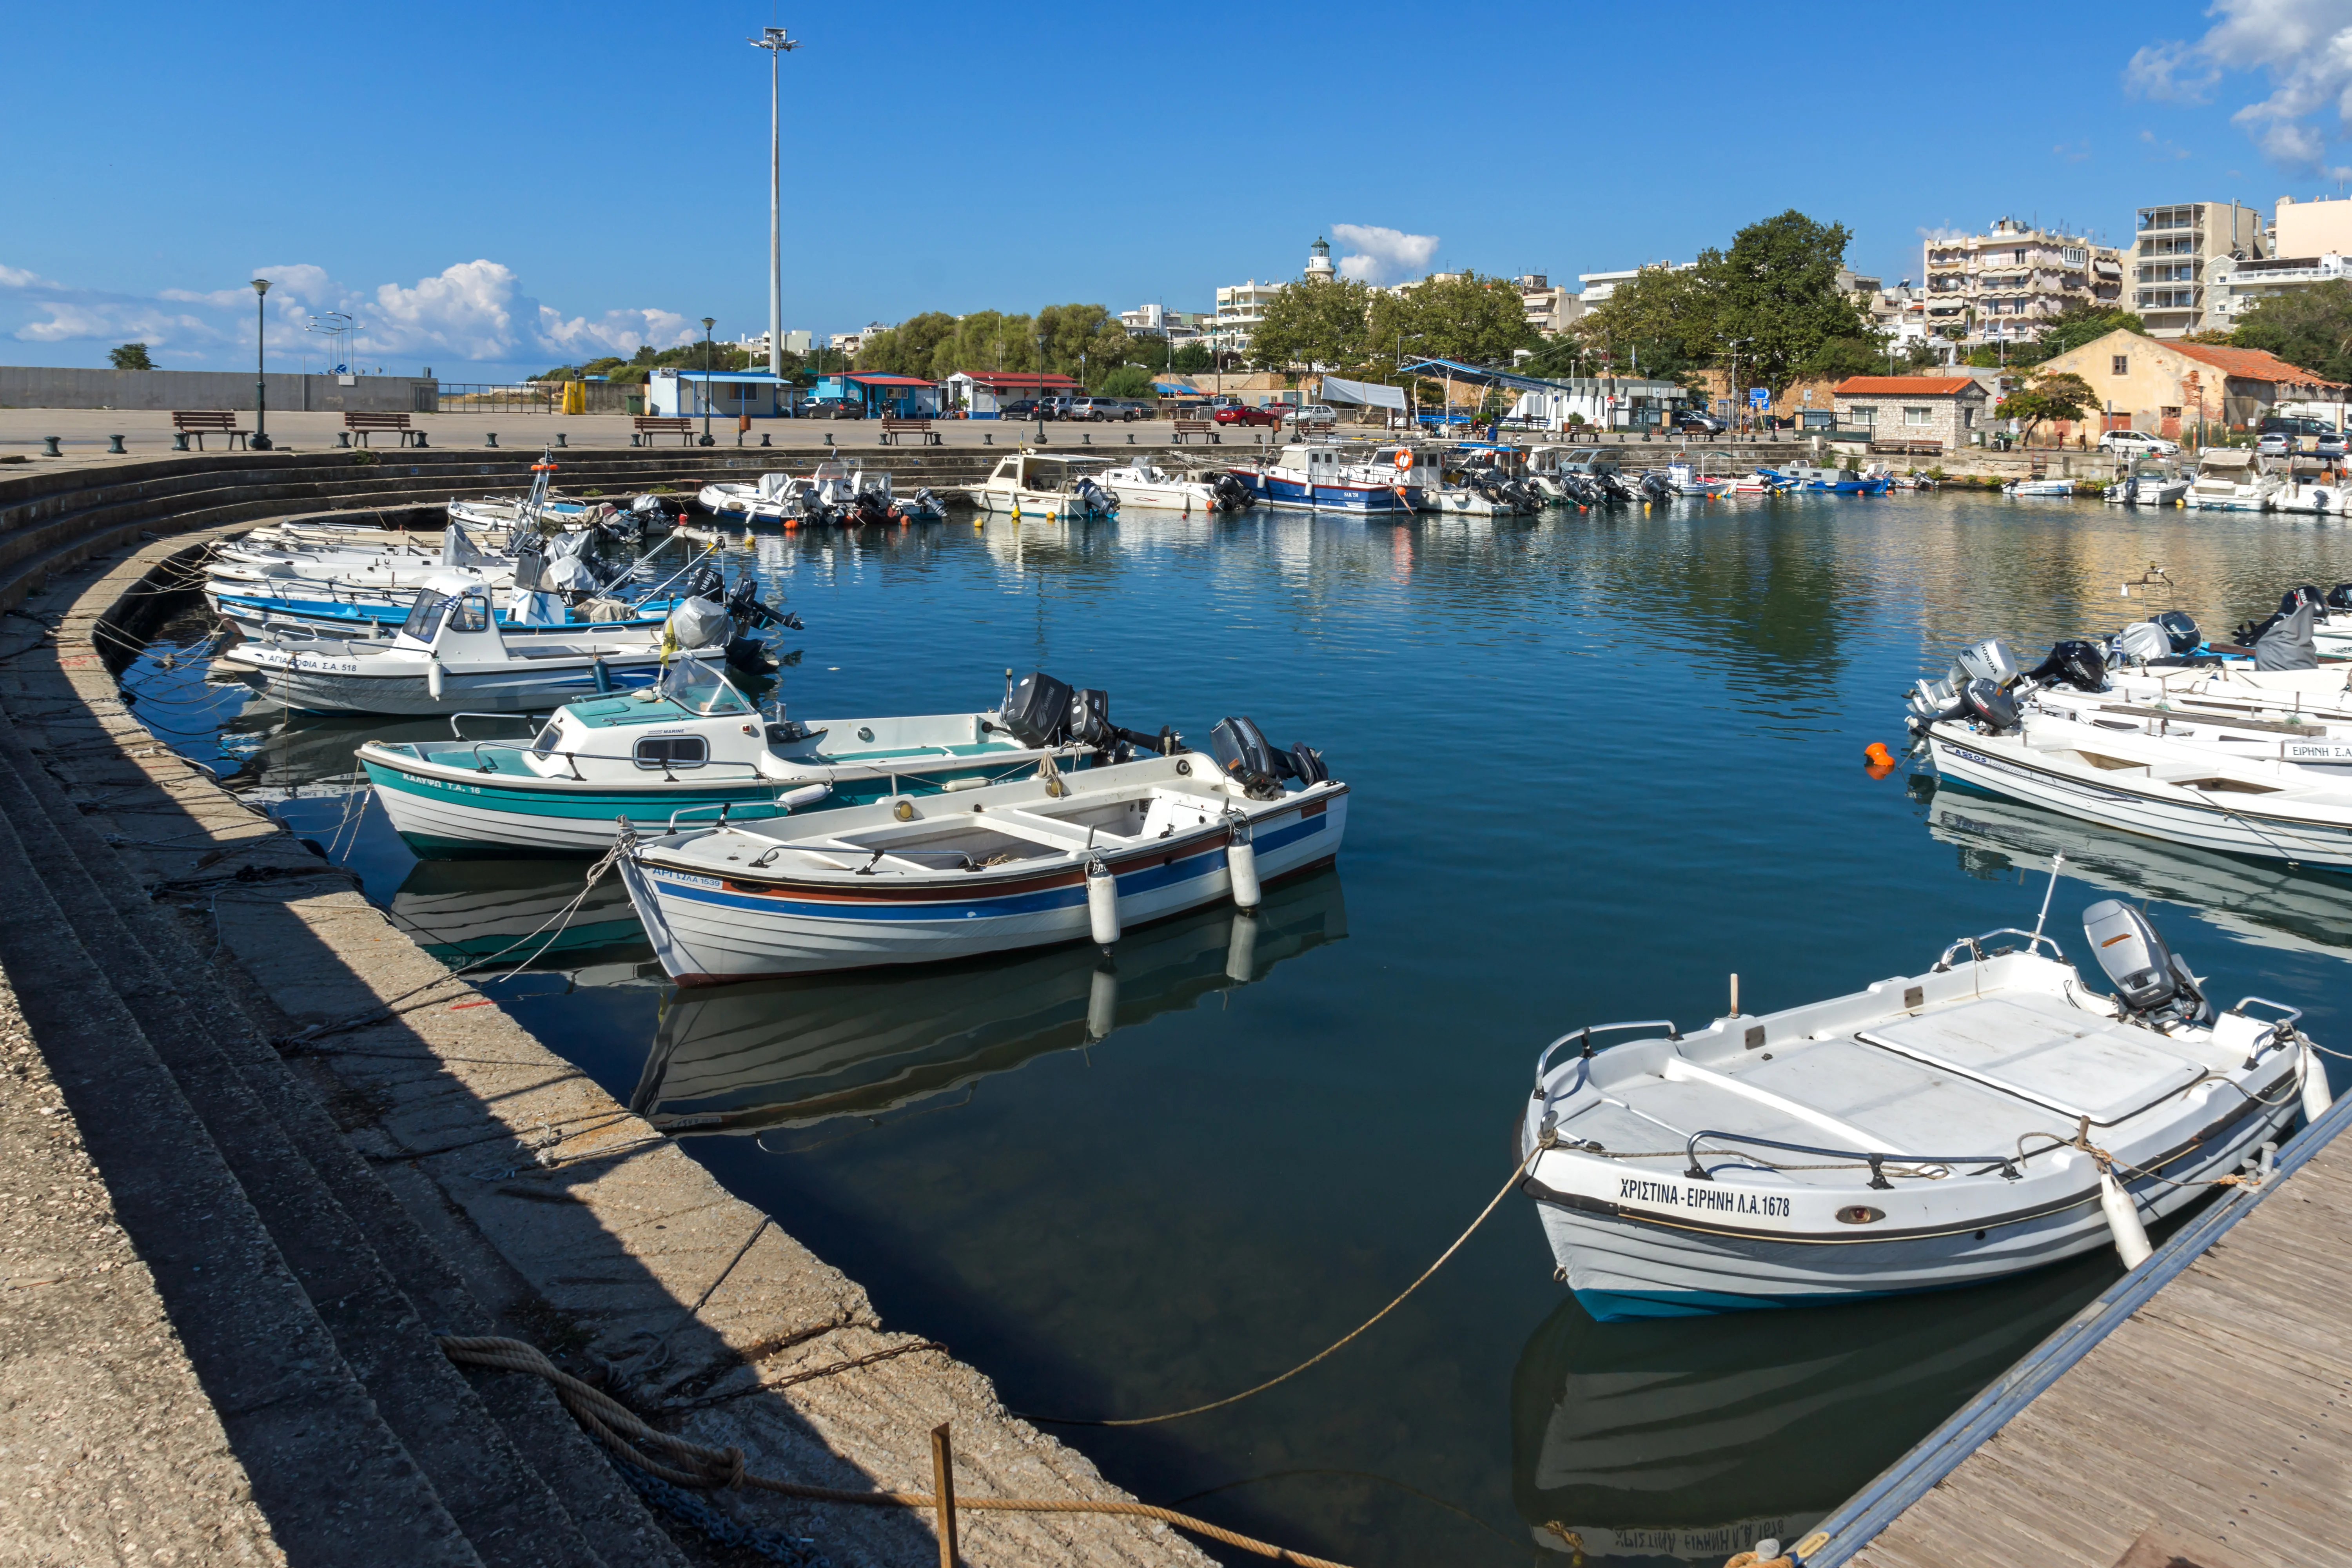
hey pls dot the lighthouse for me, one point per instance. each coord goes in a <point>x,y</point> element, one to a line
<point>1319,261</point>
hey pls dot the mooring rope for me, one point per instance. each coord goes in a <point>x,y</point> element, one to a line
<point>703,1469</point>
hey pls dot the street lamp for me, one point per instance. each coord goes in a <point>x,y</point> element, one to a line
<point>707,322</point>
<point>774,40</point>
<point>260,441</point>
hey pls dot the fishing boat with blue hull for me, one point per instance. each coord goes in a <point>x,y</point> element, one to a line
<point>692,747</point>
<point>1990,1116</point>
<point>1837,481</point>
<point>1320,475</point>
<point>917,879</point>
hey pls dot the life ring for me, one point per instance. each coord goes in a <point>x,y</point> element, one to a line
<point>1404,459</point>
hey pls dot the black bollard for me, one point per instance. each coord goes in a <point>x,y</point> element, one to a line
<point>114,444</point>
<point>491,438</point>
<point>50,446</point>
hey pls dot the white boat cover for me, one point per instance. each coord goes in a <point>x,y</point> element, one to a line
<point>1364,393</point>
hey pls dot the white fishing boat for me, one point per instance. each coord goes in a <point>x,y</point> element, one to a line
<point>2046,488</point>
<point>2232,479</point>
<point>2313,495</point>
<point>1038,484</point>
<point>1144,484</point>
<point>2151,482</point>
<point>1048,859</point>
<point>1337,475</point>
<point>691,743</point>
<point>1689,477</point>
<point>1988,1116</point>
<point>451,656</point>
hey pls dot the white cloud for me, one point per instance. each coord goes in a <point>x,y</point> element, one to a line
<point>472,312</point>
<point>1942,234</point>
<point>2304,48</point>
<point>1374,255</point>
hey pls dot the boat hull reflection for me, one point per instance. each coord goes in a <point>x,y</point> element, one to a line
<point>460,911</point>
<point>1667,1440</point>
<point>789,1052</point>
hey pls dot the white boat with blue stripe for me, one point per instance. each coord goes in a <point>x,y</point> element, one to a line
<point>917,879</point>
<point>1329,476</point>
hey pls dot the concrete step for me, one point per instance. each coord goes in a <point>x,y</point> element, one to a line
<point>269,1128</point>
<point>330,1475</point>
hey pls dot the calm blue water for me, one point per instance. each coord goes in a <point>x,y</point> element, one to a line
<point>1599,763</point>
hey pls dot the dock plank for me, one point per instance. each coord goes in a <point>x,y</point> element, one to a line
<point>2218,1418</point>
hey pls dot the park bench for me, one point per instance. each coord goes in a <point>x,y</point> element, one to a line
<point>894,428</point>
<point>665,425</point>
<point>1906,448</point>
<point>367,423</point>
<point>1187,428</point>
<point>201,421</point>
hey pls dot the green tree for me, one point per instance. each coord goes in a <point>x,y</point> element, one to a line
<point>2307,327</point>
<point>2062,396</point>
<point>1320,324</point>
<point>1776,297</point>
<point>908,348</point>
<point>1837,358</point>
<point>131,356</point>
<point>1192,358</point>
<point>1126,381</point>
<point>1659,318</point>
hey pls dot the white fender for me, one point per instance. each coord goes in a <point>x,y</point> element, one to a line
<point>2315,1097</point>
<point>806,797</point>
<point>2123,1221</point>
<point>432,676</point>
<point>1102,904</point>
<point>1241,863</point>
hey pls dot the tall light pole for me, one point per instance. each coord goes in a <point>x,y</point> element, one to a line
<point>707,322</point>
<point>260,440</point>
<point>774,40</point>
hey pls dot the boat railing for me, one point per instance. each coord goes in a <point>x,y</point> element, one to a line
<point>460,735</point>
<point>1876,1159</point>
<point>1585,1037</point>
<point>1975,945</point>
<point>481,766</point>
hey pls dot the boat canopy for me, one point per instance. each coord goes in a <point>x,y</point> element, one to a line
<point>1363,394</point>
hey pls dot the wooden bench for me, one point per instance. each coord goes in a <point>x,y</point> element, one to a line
<point>1187,428</point>
<point>366,423</point>
<point>665,425</point>
<point>894,428</point>
<point>202,422</point>
<point>1906,448</point>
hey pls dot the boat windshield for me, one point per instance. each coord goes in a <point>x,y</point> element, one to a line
<point>693,685</point>
<point>425,615</point>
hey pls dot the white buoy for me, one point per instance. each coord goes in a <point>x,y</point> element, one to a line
<point>2315,1097</point>
<point>1241,949</point>
<point>1102,1003</point>
<point>2123,1221</point>
<point>433,678</point>
<point>1102,903</point>
<point>804,797</point>
<point>1241,864</point>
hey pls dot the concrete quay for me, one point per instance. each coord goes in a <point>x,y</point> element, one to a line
<point>262,1149</point>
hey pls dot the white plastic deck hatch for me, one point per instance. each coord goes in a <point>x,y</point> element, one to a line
<point>2044,1051</point>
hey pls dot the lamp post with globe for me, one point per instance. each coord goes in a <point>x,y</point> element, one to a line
<point>260,441</point>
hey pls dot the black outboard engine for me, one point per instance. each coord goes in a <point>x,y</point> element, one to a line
<point>1985,703</point>
<point>1580,490</point>
<point>2294,599</point>
<point>2340,597</point>
<point>1655,488</point>
<point>1037,711</point>
<point>743,603</point>
<point>1241,749</point>
<point>2073,663</point>
<point>2181,627</point>
<point>869,508</point>
<point>2151,980</point>
<point>1612,487</point>
<point>704,583</point>
<point>1231,491</point>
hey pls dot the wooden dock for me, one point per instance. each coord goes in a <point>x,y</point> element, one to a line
<point>2208,1425</point>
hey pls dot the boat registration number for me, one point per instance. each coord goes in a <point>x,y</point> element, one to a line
<point>1701,1197</point>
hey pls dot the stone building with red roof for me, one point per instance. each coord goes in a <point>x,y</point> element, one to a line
<point>1946,409</point>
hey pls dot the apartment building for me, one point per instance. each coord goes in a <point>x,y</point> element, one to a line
<point>2308,243</point>
<point>1156,321</point>
<point>2006,285</point>
<point>1550,308</point>
<point>1599,286</point>
<point>2175,255</point>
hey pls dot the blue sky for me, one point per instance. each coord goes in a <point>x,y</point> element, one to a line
<point>499,188</point>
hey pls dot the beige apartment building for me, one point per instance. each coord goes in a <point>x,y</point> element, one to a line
<point>2180,255</point>
<point>2309,243</point>
<point>2007,285</point>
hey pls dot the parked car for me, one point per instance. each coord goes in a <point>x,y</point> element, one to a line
<point>2274,443</point>
<point>1237,414</point>
<point>1321,414</point>
<point>2293,425</point>
<point>833,408</point>
<point>2328,446</point>
<point>1693,424</point>
<point>1097,410</point>
<point>1027,408</point>
<point>2138,444</point>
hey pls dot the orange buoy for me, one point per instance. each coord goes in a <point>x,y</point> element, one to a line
<point>1878,755</point>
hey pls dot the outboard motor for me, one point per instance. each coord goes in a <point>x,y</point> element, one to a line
<point>868,507</point>
<point>1990,661</point>
<point>1036,711</point>
<point>2340,597</point>
<point>2151,980</point>
<point>1241,749</point>
<point>1985,703</point>
<point>1655,488</point>
<point>2141,642</point>
<point>2181,627</point>
<point>704,583</point>
<point>1231,492</point>
<point>1612,487</point>
<point>2294,599</point>
<point>2073,663</point>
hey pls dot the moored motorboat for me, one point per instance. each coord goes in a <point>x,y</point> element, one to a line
<point>1988,1116</point>
<point>2232,479</point>
<point>1335,476</point>
<point>1144,484</point>
<point>1037,484</point>
<point>2151,482</point>
<point>1044,860</point>
<point>2045,488</point>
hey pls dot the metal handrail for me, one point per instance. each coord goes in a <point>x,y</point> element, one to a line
<point>2008,1162</point>
<point>687,810</point>
<point>2294,1015</point>
<point>460,735</point>
<point>1976,953</point>
<point>665,765</point>
<point>1586,1034</point>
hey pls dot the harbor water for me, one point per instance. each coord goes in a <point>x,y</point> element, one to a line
<point>1601,763</point>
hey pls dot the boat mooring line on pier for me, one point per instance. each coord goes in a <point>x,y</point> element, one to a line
<point>1860,1519</point>
<point>702,1469</point>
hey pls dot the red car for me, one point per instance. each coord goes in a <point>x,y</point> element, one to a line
<point>1234,413</point>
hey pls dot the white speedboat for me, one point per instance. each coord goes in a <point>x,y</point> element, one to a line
<point>2044,487</point>
<point>2232,479</point>
<point>1045,860</point>
<point>1036,484</point>
<point>1344,476</point>
<point>1988,1116</point>
<point>691,743</point>
<point>1144,484</point>
<point>2149,483</point>
<point>451,656</point>
<point>2313,496</point>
